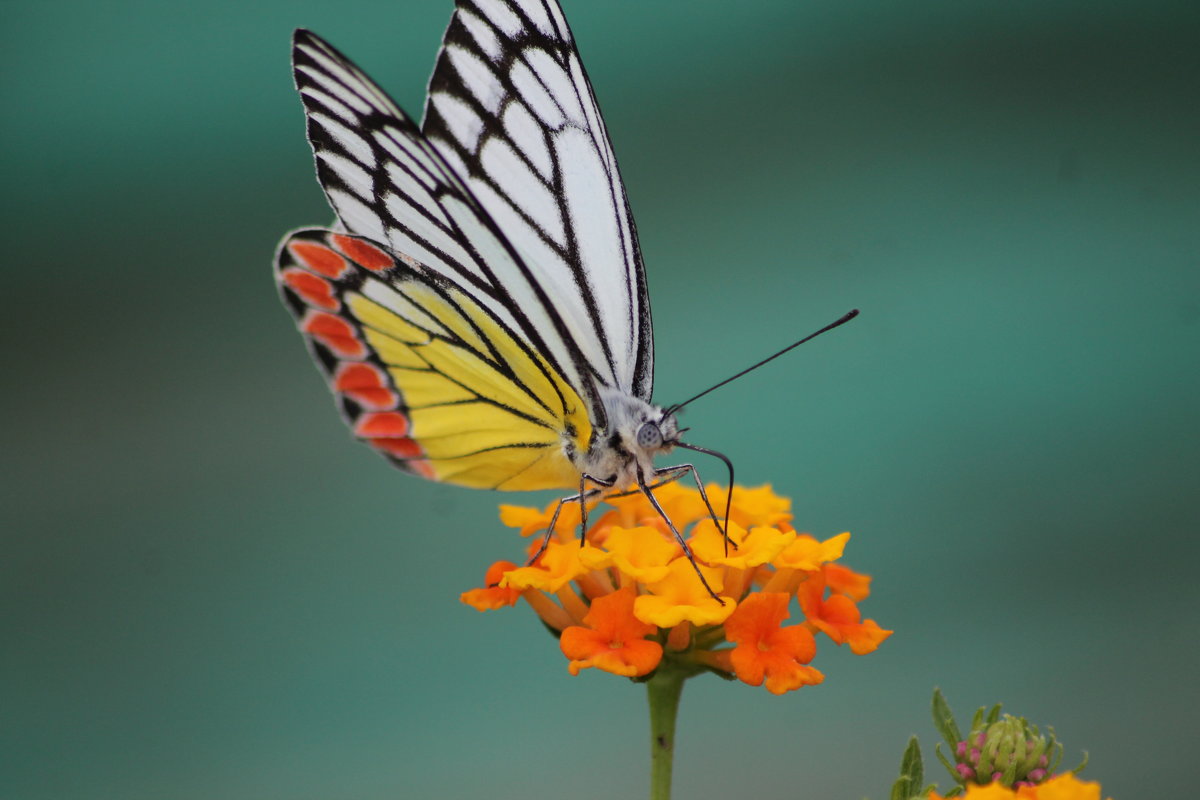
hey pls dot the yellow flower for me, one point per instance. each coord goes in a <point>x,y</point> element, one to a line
<point>641,554</point>
<point>806,553</point>
<point>751,507</point>
<point>629,597</point>
<point>529,520</point>
<point>680,597</point>
<point>745,550</point>
<point>556,567</point>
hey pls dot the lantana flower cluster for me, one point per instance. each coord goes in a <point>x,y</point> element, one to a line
<point>628,599</point>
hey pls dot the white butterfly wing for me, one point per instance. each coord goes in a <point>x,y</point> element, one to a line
<point>387,183</point>
<point>511,108</point>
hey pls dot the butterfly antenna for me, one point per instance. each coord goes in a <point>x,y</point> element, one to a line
<point>729,496</point>
<point>846,318</point>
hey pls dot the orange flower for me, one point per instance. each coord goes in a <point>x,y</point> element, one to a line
<point>992,791</point>
<point>838,617</point>
<point>1061,787</point>
<point>492,595</point>
<point>764,648</point>
<point>844,580</point>
<point>613,639</point>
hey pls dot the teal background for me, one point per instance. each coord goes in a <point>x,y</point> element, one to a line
<point>209,591</point>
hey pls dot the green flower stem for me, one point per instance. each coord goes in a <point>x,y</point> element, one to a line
<point>663,692</point>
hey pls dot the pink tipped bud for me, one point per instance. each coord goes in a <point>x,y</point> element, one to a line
<point>999,752</point>
<point>999,749</point>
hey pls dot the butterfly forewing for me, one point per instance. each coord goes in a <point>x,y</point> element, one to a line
<point>426,375</point>
<point>511,108</point>
<point>387,183</point>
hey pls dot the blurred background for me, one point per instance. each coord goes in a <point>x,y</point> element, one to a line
<point>208,590</point>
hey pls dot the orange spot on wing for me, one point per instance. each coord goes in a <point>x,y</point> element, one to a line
<point>399,446</point>
<point>319,258</point>
<point>313,290</point>
<point>366,384</point>
<point>365,254</point>
<point>423,468</point>
<point>335,333</point>
<point>386,431</point>
<point>383,424</point>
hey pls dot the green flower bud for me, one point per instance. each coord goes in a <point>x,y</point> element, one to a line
<point>997,749</point>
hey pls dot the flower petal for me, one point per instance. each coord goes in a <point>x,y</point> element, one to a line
<point>492,595</point>
<point>681,596</point>
<point>767,650</point>
<point>759,546</point>
<point>806,553</point>
<point>611,639</point>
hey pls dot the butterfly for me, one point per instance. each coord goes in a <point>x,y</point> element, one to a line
<point>479,308</point>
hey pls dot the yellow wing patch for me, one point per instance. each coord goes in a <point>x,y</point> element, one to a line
<point>485,410</point>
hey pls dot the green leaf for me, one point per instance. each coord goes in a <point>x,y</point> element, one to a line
<point>937,749</point>
<point>943,719</point>
<point>912,773</point>
<point>911,765</point>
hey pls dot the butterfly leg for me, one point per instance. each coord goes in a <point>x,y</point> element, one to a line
<point>678,471</point>
<point>584,495</point>
<point>601,485</point>
<point>687,551</point>
<point>655,485</point>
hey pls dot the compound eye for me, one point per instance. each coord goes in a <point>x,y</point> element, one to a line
<point>648,435</point>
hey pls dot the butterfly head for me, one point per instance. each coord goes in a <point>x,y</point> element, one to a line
<point>635,433</point>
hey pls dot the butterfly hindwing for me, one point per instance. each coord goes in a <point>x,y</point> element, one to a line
<point>511,108</point>
<point>425,374</point>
